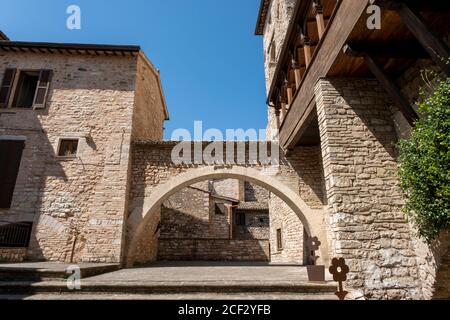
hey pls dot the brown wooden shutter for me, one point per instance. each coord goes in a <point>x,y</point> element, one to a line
<point>10,157</point>
<point>6,88</point>
<point>40,98</point>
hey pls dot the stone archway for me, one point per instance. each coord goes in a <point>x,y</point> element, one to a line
<point>312,219</point>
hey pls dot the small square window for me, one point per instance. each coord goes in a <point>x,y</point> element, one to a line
<point>68,148</point>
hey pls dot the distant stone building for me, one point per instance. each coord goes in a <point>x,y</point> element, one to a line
<point>202,222</point>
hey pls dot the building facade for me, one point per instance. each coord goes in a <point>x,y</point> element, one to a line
<point>68,116</point>
<point>343,78</point>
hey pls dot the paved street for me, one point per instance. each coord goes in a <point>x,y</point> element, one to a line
<point>207,272</point>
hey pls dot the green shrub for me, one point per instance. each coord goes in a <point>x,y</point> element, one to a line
<point>425,165</point>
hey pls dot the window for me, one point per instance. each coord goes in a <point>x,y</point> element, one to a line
<point>10,157</point>
<point>29,91</point>
<point>26,89</point>
<point>68,148</point>
<point>240,219</point>
<point>279,240</point>
<point>273,52</point>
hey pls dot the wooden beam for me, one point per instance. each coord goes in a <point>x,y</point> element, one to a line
<point>388,85</point>
<point>298,77</point>
<point>432,43</point>
<point>290,94</point>
<point>429,6</point>
<point>307,52</point>
<point>330,47</point>
<point>318,12</point>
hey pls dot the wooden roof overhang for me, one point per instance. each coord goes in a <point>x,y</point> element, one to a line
<point>342,52</point>
<point>68,48</point>
<point>262,17</point>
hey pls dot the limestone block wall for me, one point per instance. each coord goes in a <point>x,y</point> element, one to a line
<point>80,202</point>
<point>152,167</point>
<point>146,250</point>
<point>149,102</point>
<point>282,217</point>
<point>367,225</point>
<point>432,259</point>
<point>254,228</point>
<point>255,193</point>
<point>226,188</point>
<point>187,215</point>
<point>277,23</point>
<point>214,250</point>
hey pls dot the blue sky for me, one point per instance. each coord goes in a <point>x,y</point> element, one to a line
<point>210,60</point>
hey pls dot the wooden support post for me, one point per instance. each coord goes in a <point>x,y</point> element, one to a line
<point>432,43</point>
<point>299,55</point>
<point>231,220</point>
<point>297,73</point>
<point>277,115</point>
<point>290,95</point>
<point>390,87</point>
<point>298,77</point>
<point>307,51</point>
<point>283,112</point>
<point>318,12</point>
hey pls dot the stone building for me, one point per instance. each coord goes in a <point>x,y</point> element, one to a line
<point>86,177</point>
<point>342,89</point>
<point>202,222</point>
<point>68,116</point>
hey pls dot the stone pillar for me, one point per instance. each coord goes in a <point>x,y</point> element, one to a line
<point>364,212</point>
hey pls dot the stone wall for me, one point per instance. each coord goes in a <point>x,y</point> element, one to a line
<point>149,103</point>
<point>282,217</point>
<point>81,200</point>
<point>277,23</point>
<point>254,228</point>
<point>9,255</point>
<point>153,168</point>
<point>214,250</point>
<point>191,229</point>
<point>367,225</point>
<point>255,193</point>
<point>432,259</point>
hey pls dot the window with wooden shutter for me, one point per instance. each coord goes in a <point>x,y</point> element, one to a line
<point>10,157</point>
<point>40,98</point>
<point>6,87</point>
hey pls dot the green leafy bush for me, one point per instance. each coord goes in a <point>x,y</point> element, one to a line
<point>425,165</point>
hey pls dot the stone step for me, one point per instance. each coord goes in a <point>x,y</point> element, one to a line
<point>44,272</point>
<point>174,296</point>
<point>169,288</point>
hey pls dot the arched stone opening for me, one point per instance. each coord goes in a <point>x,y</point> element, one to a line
<point>312,219</point>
